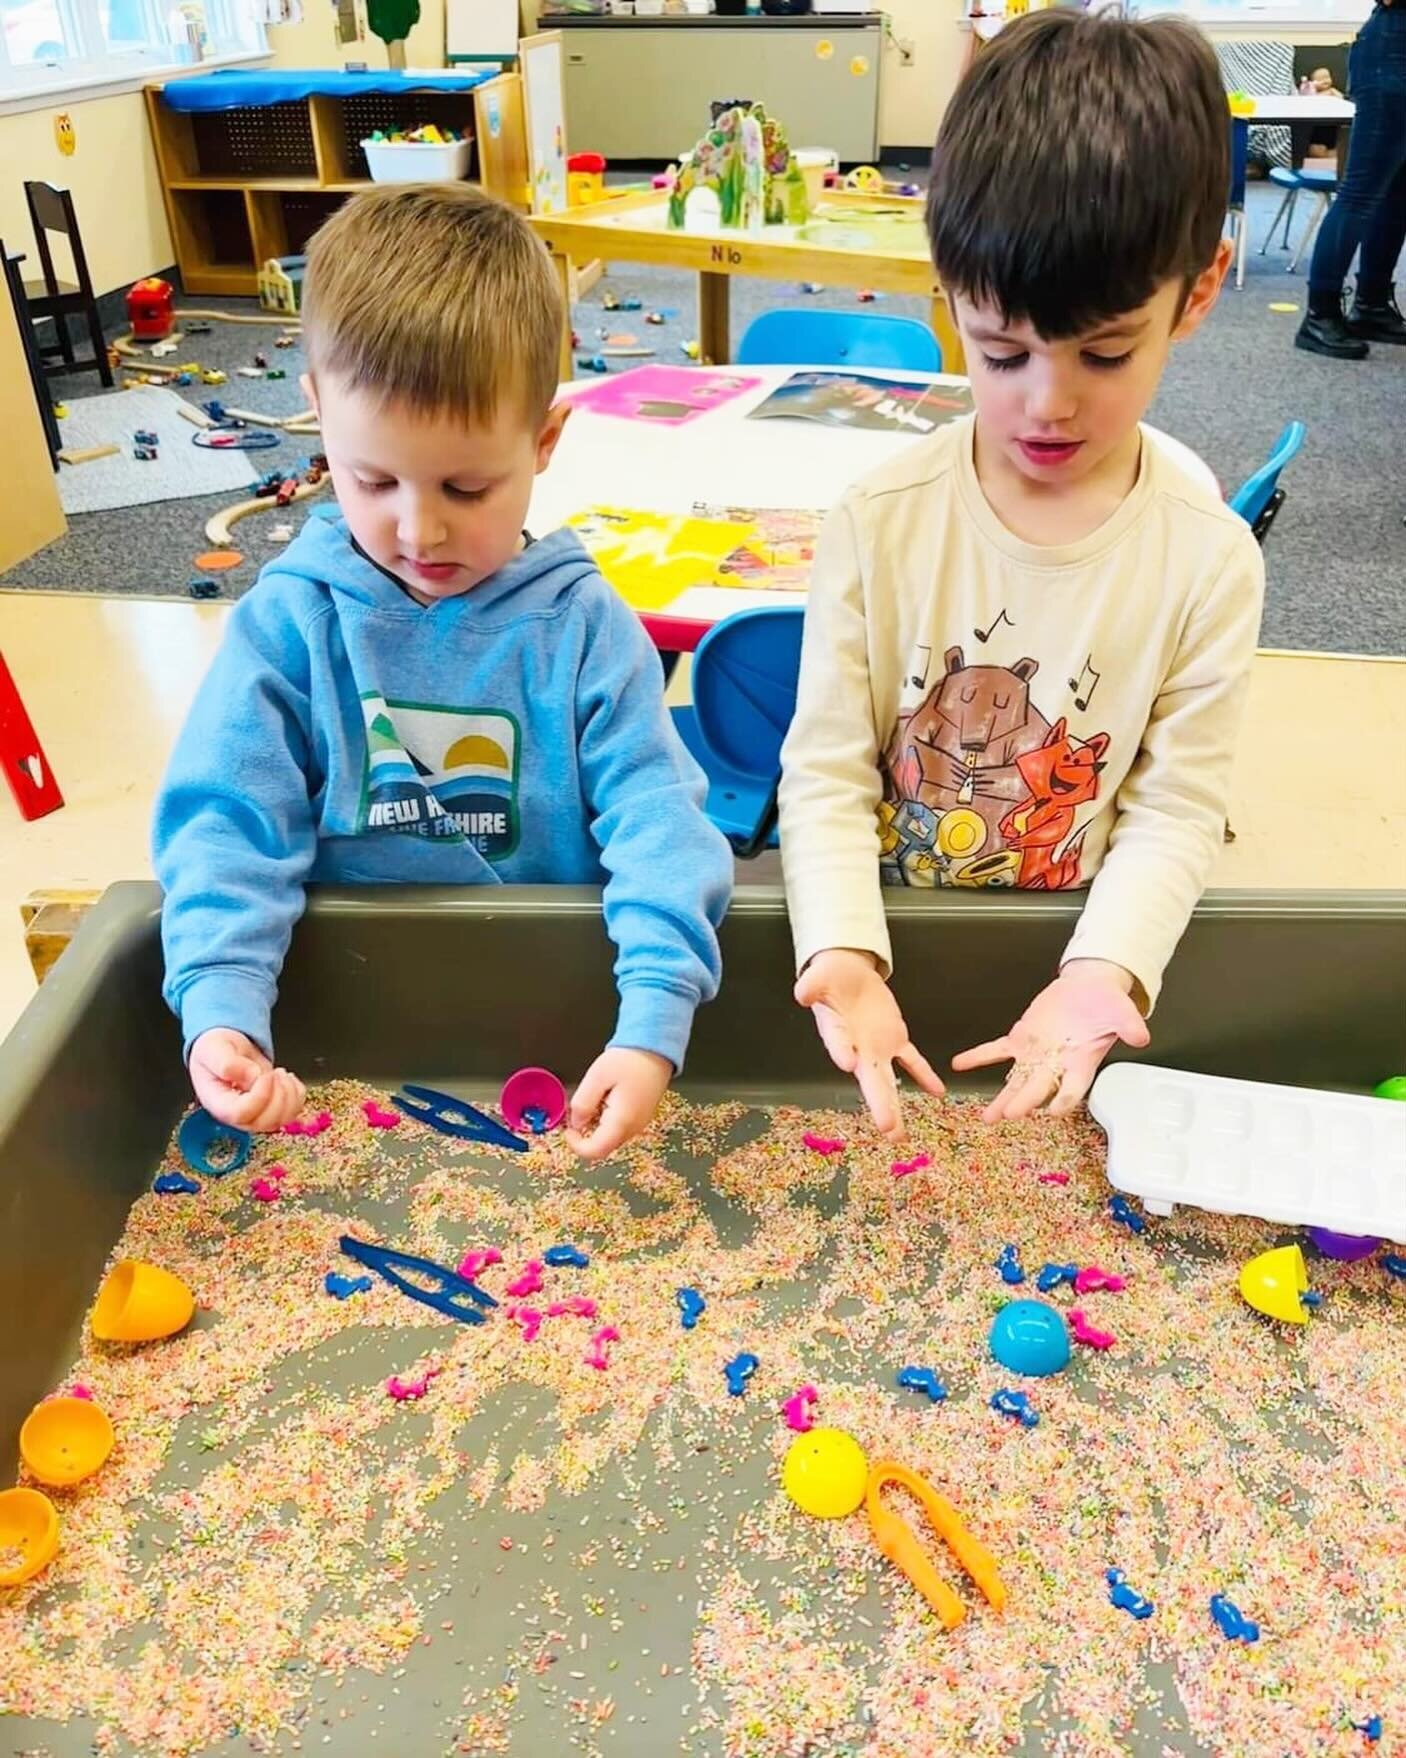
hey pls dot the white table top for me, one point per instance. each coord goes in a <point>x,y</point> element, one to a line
<point>1270,107</point>
<point>723,459</point>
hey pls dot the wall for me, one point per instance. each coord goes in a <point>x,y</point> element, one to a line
<point>113,172</point>
<point>914,97</point>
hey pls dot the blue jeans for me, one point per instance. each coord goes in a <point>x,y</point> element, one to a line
<point>1370,209</point>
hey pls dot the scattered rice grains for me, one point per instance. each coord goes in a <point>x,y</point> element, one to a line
<point>278,1557</point>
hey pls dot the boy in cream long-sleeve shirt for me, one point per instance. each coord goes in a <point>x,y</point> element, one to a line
<point>1028,638</point>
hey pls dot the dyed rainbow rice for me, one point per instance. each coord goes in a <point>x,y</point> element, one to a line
<point>280,1557</point>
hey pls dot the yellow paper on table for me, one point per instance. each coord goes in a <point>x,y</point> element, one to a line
<point>650,558</point>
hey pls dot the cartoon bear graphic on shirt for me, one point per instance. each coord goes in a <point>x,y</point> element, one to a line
<point>980,789</point>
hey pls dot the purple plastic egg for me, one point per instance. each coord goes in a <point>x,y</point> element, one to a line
<point>1348,1248</point>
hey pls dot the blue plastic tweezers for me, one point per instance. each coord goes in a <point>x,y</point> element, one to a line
<point>451,1116</point>
<point>383,1261</point>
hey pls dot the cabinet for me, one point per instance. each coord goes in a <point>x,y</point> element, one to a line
<point>256,180</point>
<point>641,88</point>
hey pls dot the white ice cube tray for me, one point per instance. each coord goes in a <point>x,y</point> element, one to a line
<point>1243,1147</point>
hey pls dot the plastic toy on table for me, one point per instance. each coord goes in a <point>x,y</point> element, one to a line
<point>738,1371</point>
<point>200,1134</point>
<point>899,1543</point>
<point>532,1089</point>
<point>1286,1154</point>
<point>1030,1337</point>
<point>29,1530</point>
<point>825,1473</point>
<point>692,1306</point>
<point>451,1288</point>
<point>456,1117</point>
<point>1126,1598</point>
<point>1276,1284</point>
<point>64,1440</point>
<point>921,1379</point>
<point>140,1303</point>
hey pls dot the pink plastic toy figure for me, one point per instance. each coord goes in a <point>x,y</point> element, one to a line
<point>797,1409</point>
<point>1086,1334</point>
<point>529,1282</point>
<point>1092,1279</point>
<point>530,1320</point>
<point>76,1391</point>
<point>264,1190</point>
<point>474,1263</point>
<point>823,1144</point>
<point>579,1306</point>
<point>379,1119</point>
<point>1054,1178</point>
<point>904,1168</point>
<point>597,1357</point>
<point>322,1121</point>
<point>278,1173</point>
<point>400,1389</point>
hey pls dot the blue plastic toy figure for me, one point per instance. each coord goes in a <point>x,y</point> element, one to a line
<point>1234,1625</point>
<point>342,1287</point>
<point>922,1379</point>
<point>1053,1274</point>
<point>1395,1266</point>
<point>1009,1265</point>
<point>1120,1210</point>
<point>1124,1597</point>
<point>1015,1404</point>
<point>175,1184</point>
<point>692,1306</point>
<point>738,1371</point>
<point>1372,1728</point>
<point>565,1257</point>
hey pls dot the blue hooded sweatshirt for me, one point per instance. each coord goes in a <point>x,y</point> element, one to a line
<point>515,735</point>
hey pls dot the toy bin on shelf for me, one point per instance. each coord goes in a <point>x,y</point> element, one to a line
<point>417,161</point>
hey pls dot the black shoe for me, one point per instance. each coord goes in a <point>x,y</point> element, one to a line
<point>1377,320</point>
<point>1329,335</point>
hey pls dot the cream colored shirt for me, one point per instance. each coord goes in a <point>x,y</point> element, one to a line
<point>975,710</point>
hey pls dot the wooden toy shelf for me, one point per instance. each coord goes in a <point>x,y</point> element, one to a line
<point>244,184</point>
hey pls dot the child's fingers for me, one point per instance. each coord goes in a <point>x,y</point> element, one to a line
<point>588,1098</point>
<point>1023,1094</point>
<point>983,1055</point>
<point>235,1067</point>
<point>880,1091</point>
<point>920,1070</point>
<point>618,1123</point>
<point>836,1037</point>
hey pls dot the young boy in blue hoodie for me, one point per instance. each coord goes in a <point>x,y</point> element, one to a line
<point>419,692</point>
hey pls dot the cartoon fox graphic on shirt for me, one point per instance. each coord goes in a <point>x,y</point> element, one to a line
<point>1060,777</point>
<point>980,790</point>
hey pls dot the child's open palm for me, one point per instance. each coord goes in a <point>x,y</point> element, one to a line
<point>1057,1044</point>
<point>238,1085</point>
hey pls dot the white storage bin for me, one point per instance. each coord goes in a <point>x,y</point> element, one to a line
<point>417,161</point>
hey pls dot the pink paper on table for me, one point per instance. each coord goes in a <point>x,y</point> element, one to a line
<point>664,396</point>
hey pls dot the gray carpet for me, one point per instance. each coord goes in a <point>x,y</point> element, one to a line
<point>1336,557</point>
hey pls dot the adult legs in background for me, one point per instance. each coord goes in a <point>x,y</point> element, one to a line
<point>1370,209</point>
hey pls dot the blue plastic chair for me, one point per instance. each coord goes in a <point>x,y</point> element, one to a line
<point>1323,185</point>
<point>1260,497</point>
<point>839,338</point>
<point>744,680</point>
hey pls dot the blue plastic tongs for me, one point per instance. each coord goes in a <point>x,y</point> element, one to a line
<point>383,1260</point>
<point>451,1116</point>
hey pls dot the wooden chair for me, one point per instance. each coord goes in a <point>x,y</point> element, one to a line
<point>51,210</point>
<point>15,282</point>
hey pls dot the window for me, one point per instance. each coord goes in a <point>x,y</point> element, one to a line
<point>55,45</point>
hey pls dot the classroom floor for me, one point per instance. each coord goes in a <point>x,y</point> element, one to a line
<point>1336,558</point>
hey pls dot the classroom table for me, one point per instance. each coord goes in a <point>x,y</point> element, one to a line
<point>721,459</point>
<point>1295,112</point>
<point>852,240</point>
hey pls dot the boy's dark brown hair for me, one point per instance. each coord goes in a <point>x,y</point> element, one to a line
<point>437,296</point>
<point>1083,161</point>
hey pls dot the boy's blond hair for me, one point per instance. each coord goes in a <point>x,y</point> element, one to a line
<point>437,296</point>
